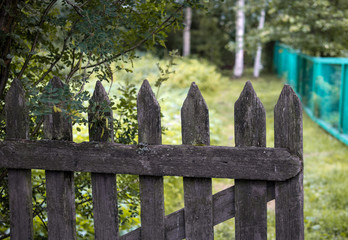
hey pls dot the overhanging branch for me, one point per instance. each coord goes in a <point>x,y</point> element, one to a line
<point>33,46</point>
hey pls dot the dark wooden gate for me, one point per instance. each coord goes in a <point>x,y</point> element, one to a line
<point>261,174</point>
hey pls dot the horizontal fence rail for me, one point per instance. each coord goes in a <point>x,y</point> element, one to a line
<point>261,174</point>
<point>273,164</point>
<point>322,85</point>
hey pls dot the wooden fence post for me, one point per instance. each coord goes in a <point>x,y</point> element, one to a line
<point>197,191</point>
<point>103,184</point>
<point>151,188</point>
<point>289,194</point>
<point>59,185</point>
<point>19,181</point>
<point>250,196</point>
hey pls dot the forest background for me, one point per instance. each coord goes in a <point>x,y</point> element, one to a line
<point>123,42</point>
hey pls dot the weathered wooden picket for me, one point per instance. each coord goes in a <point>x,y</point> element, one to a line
<point>261,173</point>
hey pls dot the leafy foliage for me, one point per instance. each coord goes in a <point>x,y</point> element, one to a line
<point>317,27</point>
<point>75,40</point>
<point>126,124</point>
<point>165,72</point>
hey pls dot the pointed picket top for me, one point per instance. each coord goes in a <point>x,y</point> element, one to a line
<point>56,82</point>
<point>16,112</point>
<point>56,126</point>
<point>195,118</point>
<point>16,88</point>
<point>99,93</point>
<point>100,115</point>
<point>250,119</point>
<point>149,116</point>
<point>146,94</point>
<point>288,121</point>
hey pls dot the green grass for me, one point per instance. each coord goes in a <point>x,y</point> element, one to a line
<point>325,161</point>
<point>325,158</point>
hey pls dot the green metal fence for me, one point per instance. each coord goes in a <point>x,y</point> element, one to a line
<point>322,85</point>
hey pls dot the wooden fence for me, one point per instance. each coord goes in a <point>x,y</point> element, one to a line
<point>261,174</point>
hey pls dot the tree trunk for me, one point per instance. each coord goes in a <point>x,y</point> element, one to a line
<point>240,22</point>
<point>257,63</point>
<point>8,14</point>
<point>187,32</point>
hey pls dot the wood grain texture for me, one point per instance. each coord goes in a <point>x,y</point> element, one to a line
<point>224,205</point>
<point>59,184</point>
<point>223,208</point>
<point>19,181</point>
<point>197,191</point>
<point>20,197</point>
<point>149,116</point>
<point>16,111</point>
<point>251,196</point>
<point>105,206</point>
<point>104,189</point>
<point>60,205</point>
<point>100,124</point>
<point>151,187</point>
<point>175,225</point>
<point>195,119</point>
<point>158,160</point>
<point>133,235</point>
<point>56,126</point>
<point>250,119</point>
<point>289,194</point>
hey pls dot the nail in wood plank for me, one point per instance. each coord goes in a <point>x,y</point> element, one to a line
<point>197,191</point>
<point>59,185</point>
<point>103,184</point>
<point>19,181</point>
<point>251,196</point>
<point>151,188</point>
<point>289,194</point>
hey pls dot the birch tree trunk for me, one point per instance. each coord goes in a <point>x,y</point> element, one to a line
<point>240,24</point>
<point>257,63</point>
<point>187,32</point>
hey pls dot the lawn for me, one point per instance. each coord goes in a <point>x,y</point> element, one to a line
<point>325,158</point>
<point>325,161</point>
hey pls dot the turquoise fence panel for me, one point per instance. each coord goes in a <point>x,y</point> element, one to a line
<point>322,85</point>
<point>292,69</point>
<point>344,100</point>
<point>329,94</point>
